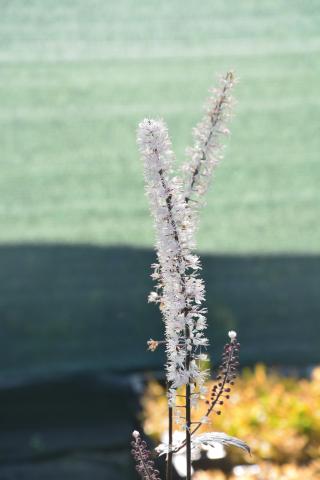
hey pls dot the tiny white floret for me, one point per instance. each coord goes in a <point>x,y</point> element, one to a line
<point>153,297</point>
<point>232,335</point>
<point>135,434</point>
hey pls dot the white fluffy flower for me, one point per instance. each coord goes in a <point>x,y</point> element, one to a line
<point>180,290</point>
<point>232,335</point>
<point>153,297</point>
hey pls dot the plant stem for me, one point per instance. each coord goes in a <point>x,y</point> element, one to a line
<point>188,432</point>
<point>188,413</point>
<point>169,460</point>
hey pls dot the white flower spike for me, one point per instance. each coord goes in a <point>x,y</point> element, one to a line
<point>207,150</point>
<point>180,291</point>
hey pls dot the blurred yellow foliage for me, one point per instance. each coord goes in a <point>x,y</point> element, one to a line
<point>278,417</point>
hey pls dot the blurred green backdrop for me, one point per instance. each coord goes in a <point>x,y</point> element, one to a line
<point>76,235</point>
<point>77,76</point>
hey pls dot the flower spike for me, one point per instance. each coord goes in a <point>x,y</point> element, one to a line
<point>144,463</point>
<point>207,149</point>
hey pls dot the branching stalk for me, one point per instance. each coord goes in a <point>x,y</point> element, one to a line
<point>227,377</point>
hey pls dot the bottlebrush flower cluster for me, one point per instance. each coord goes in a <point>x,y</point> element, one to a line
<point>180,290</point>
<point>207,149</point>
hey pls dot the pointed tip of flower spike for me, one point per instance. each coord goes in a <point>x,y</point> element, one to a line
<point>207,149</point>
<point>152,135</point>
<point>230,76</point>
<point>135,434</point>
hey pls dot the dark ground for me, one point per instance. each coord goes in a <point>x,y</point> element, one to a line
<point>77,426</point>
